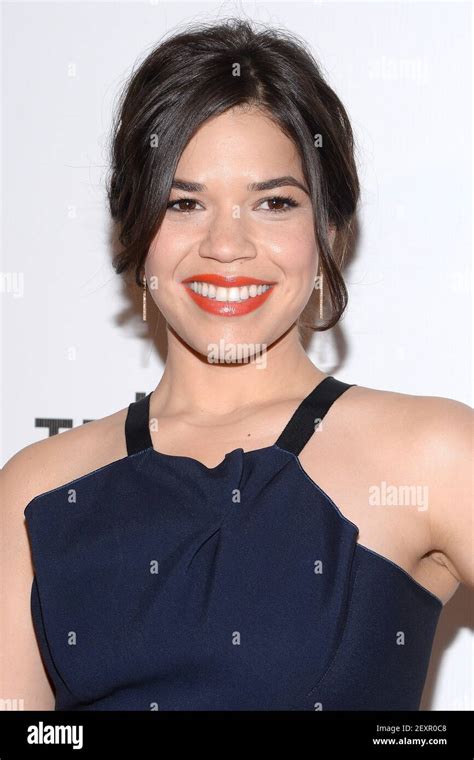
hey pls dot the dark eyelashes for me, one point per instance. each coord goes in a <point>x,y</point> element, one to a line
<point>288,199</point>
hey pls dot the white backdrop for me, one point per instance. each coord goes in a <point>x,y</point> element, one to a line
<point>73,344</point>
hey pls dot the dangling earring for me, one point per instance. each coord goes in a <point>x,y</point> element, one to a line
<point>144,299</point>
<point>319,281</point>
<point>321,299</point>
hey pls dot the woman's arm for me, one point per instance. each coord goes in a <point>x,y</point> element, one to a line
<point>23,681</point>
<point>35,469</point>
<point>448,456</point>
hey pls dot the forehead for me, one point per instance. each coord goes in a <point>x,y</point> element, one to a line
<point>241,141</point>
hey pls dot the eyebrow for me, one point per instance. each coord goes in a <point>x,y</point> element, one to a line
<point>269,184</point>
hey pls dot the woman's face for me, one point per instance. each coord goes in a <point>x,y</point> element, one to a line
<point>224,229</point>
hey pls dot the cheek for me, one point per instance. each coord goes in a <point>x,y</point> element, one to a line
<point>157,277</point>
<point>161,263</point>
<point>295,250</point>
<point>300,265</point>
<point>299,269</point>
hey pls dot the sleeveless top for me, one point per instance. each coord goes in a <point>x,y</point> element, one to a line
<point>164,584</point>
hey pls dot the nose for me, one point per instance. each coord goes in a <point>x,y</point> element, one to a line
<point>227,239</point>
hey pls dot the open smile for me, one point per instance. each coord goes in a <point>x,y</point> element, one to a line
<point>227,296</point>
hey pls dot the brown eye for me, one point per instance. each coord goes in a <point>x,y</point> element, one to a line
<point>275,202</point>
<point>280,200</point>
<point>181,201</point>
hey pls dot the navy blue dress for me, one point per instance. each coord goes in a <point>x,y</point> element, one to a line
<point>163,584</point>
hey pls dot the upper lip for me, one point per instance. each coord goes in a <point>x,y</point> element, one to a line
<point>226,280</point>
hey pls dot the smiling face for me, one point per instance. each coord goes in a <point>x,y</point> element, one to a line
<point>222,223</point>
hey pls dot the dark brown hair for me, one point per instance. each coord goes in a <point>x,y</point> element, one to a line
<point>189,78</point>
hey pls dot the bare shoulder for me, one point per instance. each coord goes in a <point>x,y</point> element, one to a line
<point>427,440</point>
<point>428,435</point>
<point>434,420</point>
<point>44,465</point>
<point>395,401</point>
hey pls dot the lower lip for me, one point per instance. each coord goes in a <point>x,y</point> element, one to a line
<point>228,308</point>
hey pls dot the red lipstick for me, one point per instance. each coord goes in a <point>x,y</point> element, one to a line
<point>228,308</point>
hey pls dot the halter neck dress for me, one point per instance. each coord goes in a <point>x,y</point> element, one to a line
<point>164,584</point>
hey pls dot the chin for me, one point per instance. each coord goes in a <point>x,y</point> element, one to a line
<point>230,349</point>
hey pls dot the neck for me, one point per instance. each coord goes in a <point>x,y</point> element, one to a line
<point>194,385</point>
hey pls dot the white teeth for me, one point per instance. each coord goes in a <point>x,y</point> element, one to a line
<point>228,294</point>
<point>233,294</point>
<point>221,294</point>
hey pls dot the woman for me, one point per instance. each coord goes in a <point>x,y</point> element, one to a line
<point>253,533</point>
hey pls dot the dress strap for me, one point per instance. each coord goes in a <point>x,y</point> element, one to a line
<point>294,437</point>
<point>310,412</point>
<point>137,428</point>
